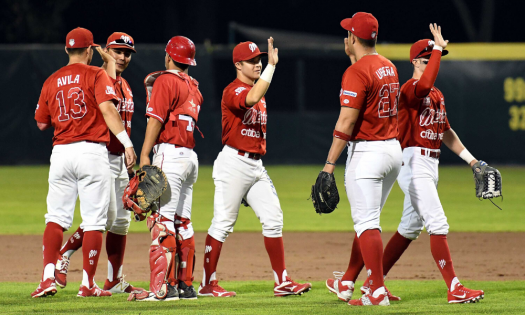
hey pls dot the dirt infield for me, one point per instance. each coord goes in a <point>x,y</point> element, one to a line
<point>310,256</point>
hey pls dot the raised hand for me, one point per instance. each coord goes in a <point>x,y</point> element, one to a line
<point>438,38</point>
<point>273,57</point>
<point>105,56</point>
<point>349,52</point>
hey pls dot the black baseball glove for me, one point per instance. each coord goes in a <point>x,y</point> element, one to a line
<point>488,181</point>
<point>143,190</point>
<point>325,196</point>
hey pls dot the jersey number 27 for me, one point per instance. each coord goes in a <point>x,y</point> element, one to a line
<point>389,97</point>
<point>77,107</point>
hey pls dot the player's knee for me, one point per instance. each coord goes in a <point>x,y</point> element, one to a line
<point>218,233</point>
<point>410,234</point>
<point>273,229</point>
<point>441,229</point>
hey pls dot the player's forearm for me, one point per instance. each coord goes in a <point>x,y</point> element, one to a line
<point>338,145</point>
<point>111,69</point>
<point>112,117</point>
<point>343,129</point>
<point>152,133</point>
<point>259,89</point>
<point>428,79</point>
<point>451,140</point>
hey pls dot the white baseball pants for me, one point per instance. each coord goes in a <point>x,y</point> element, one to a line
<point>237,177</point>
<point>181,167</point>
<point>79,169</point>
<point>419,180</point>
<point>118,217</point>
<point>371,171</point>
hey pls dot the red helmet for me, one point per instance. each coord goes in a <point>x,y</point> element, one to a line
<point>182,50</point>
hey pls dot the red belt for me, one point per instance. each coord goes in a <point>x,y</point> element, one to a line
<point>253,156</point>
<point>432,154</point>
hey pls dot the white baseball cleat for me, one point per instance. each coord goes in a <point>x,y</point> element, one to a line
<point>336,286</point>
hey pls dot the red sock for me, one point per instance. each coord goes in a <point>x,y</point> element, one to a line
<point>73,243</point>
<point>372,251</point>
<point>212,251</point>
<point>91,251</point>
<point>186,251</point>
<point>393,251</point>
<point>53,236</point>
<point>356,262</point>
<point>441,254</point>
<point>275,248</point>
<point>115,247</point>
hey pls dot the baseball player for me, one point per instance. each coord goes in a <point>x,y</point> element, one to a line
<point>239,174</point>
<point>367,124</point>
<point>78,101</point>
<point>423,126</point>
<point>174,103</point>
<point>120,46</point>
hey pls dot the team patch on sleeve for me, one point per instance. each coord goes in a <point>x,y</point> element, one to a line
<point>110,90</point>
<point>239,90</point>
<point>349,93</point>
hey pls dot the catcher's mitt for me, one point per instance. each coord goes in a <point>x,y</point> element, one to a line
<point>148,184</point>
<point>488,181</point>
<point>325,196</point>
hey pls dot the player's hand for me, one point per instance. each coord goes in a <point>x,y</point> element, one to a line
<point>438,38</point>
<point>144,160</point>
<point>105,56</point>
<point>273,57</point>
<point>131,157</point>
<point>348,52</point>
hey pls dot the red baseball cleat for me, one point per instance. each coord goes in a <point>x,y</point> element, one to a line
<point>368,300</point>
<point>94,291</point>
<point>120,286</point>
<point>215,290</point>
<point>45,288</point>
<point>61,269</point>
<point>344,293</point>
<point>366,289</point>
<point>464,295</point>
<point>290,287</point>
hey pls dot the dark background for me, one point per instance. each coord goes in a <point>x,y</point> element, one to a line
<point>303,101</point>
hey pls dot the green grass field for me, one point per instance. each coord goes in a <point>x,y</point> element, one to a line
<point>419,297</point>
<point>23,193</point>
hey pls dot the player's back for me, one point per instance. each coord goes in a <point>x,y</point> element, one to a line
<point>372,86</point>
<point>69,101</point>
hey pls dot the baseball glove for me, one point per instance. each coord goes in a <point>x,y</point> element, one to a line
<point>148,184</point>
<point>325,196</point>
<point>488,181</point>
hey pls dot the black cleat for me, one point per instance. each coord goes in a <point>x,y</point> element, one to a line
<point>187,292</point>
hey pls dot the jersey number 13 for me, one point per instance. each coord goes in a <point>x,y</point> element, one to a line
<point>75,106</point>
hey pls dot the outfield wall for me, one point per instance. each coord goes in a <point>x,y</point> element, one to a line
<point>483,84</point>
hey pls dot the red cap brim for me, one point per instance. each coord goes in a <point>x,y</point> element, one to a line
<point>121,46</point>
<point>347,24</point>
<point>428,53</point>
<point>253,56</point>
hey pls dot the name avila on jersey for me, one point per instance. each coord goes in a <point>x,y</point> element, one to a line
<point>68,80</point>
<point>253,133</point>
<point>431,135</point>
<point>431,116</point>
<point>255,116</point>
<point>385,72</point>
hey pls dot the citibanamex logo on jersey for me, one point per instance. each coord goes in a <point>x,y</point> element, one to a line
<point>430,116</point>
<point>431,135</point>
<point>254,116</point>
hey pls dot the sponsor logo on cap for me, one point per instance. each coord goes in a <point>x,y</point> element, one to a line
<point>252,47</point>
<point>373,34</point>
<point>126,39</point>
<point>349,93</point>
<point>431,43</point>
<point>71,42</point>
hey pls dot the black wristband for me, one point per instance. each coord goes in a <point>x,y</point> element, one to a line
<point>330,163</point>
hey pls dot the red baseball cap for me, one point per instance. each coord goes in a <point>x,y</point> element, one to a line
<point>246,51</point>
<point>423,48</point>
<point>80,38</point>
<point>121,40</point>
<point>363,25</point>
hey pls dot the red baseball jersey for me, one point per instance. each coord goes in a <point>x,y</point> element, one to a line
<point>69,102</point>
<point>372,86</point>
<point>125,107</point>
<point>422,121</point>
<point>243,127</point>
<point>174,99</point>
